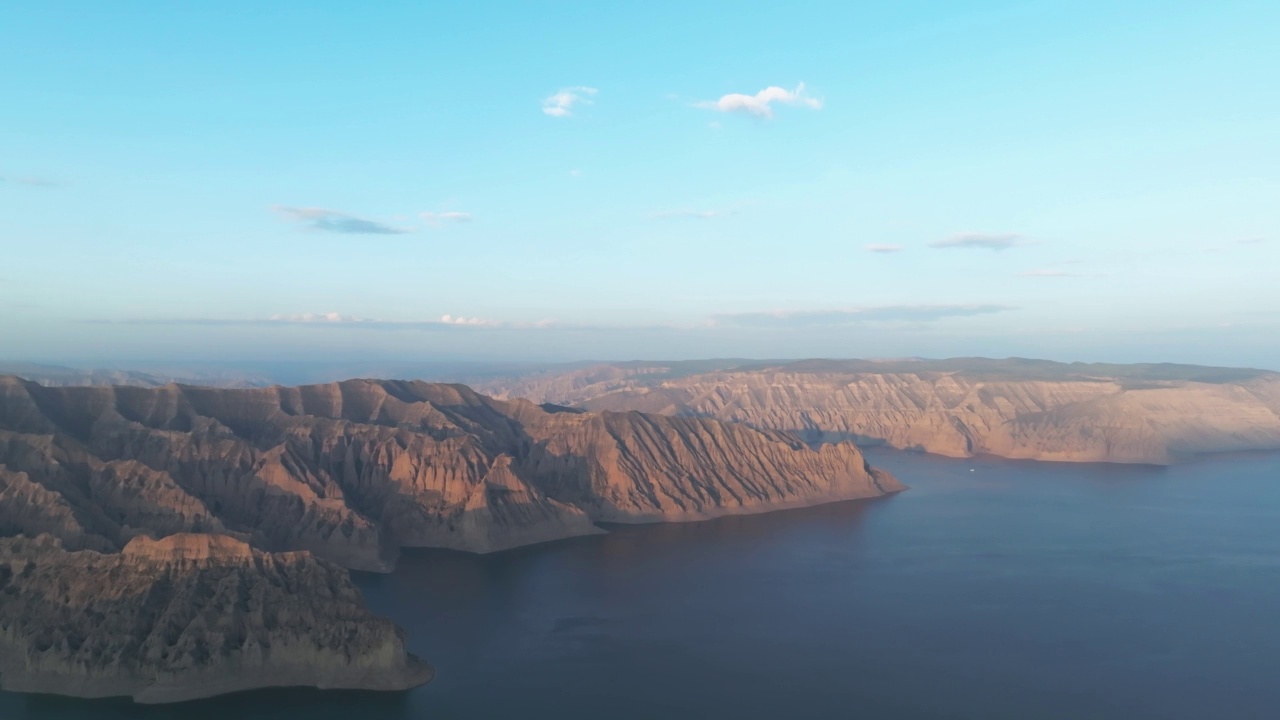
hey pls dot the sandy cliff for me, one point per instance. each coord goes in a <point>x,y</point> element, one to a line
<point>1014,408</point>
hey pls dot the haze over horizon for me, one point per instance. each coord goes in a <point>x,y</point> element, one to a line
<point>487,182</point>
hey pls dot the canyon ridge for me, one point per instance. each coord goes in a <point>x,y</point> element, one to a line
<point>224,518</point>
<point>1014,408</point>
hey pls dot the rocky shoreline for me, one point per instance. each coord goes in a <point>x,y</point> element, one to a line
<point>186,617</point>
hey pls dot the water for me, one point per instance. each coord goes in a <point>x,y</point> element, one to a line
<point>1015,590</point>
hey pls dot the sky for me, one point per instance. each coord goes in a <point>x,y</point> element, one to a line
<point>581,180</point>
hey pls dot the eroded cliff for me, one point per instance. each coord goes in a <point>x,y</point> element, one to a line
<point>352,471</point>
<point>1014,408</point>
<point>185,617</point>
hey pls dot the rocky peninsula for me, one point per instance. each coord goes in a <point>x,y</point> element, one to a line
<point>175,542</point>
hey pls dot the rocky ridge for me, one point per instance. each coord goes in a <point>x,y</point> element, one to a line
<point>352,471</point>
<point>1039,410</point>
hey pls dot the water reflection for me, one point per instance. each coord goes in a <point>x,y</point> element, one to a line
<point>254,705</point>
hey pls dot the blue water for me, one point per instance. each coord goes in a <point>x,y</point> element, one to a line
<point>991,589</point>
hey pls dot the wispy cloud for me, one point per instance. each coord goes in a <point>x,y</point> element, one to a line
<point>1231,245</point>
<point>325,220</point>
<point>471,321</point>
<point>686,213</point>
<point>982,241</point>
<point>882,248</point>
<point>32,181</point>
<point>856,316</point>
<point>873,316</point>
<point>328,317</point>
<point>334,320</point>
<point>561,104</point>
<point>761,104</point>
<point>1047,273</point>
<point>452,216</point>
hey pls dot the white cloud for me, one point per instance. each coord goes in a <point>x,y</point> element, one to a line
<point>452,216</point>
<point>339,320</point>
<point>328,317</point>
<point>761,104</point>
<point>561,103</point>
<point>473,321</point>
<point>985,241</point>
<point>883,248</point>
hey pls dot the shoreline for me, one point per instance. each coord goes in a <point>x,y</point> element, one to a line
<point>417,673</point>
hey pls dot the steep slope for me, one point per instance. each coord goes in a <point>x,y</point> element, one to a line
<point>187,617</point>
<point>351,471</point>
<point>1012,408</point>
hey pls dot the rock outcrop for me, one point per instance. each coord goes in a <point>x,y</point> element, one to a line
<point>1026,409</point>
<point>185,617</point>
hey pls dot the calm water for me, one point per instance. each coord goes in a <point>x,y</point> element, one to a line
<point>1015,590</point>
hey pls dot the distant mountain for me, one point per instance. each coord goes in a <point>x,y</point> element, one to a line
<point>239,375</point>
<point>60,376</point>
<point>1018,408</point>
<point>182,493</point>
<point>1015,408</point>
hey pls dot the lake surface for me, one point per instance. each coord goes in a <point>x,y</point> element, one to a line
<point>991,589</point>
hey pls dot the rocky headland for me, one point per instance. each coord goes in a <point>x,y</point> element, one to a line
<point>177,541</point>
<point>186,617</point>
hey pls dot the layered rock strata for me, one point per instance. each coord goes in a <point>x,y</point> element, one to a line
<point>352,471</point>
<point>186,617</point>
<point>1040,410</point>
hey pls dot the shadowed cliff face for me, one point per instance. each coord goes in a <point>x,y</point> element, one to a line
<point>1017,409</point>
<point>350,471</point>
<point>186,617</point>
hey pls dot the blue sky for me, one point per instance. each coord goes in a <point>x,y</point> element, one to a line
<point>557,181</point>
